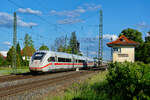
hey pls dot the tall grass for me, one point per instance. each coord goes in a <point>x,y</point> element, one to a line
<point>122,81</point>
<point>86,90</point>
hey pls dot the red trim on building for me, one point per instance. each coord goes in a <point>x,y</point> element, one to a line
<point>122,40</point>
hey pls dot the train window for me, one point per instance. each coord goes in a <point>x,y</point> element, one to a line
<point>38,55</point>
<point>51,59</point>
<point>61,59</point>
<point>68,60</point>
<point>81,61</point>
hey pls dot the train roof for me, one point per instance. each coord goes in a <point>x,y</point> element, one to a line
<point>66,54</point>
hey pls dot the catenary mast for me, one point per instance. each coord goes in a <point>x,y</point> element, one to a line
<point>100,50</point>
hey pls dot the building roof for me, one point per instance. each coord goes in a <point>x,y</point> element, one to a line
<point>122,41</point>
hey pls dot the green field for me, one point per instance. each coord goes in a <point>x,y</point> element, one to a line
<point>8,71</point>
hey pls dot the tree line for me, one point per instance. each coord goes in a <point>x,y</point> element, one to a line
<point>142,53</point>
<point>71,45</point>
<point>61,44</point>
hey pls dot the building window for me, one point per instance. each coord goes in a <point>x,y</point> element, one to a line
<point>122,55</point>
<point>117,49</point>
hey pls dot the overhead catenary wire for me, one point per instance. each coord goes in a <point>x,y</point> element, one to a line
<point>56,26</point>
<point>20,6</point>
<point>41,18</point>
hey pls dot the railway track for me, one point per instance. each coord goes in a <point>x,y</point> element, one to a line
<point>13,77</point>
<point>8,78</point>
<point>15,89</point>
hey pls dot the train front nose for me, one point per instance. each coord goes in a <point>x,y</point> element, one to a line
<point>36,61</point>
<point>35,65</point>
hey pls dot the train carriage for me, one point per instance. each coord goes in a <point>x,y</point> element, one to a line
<point>45,61</point>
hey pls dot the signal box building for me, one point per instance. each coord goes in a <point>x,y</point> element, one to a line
<point>123,49</point>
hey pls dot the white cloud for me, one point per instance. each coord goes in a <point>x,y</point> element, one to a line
<point>25,24</point>
<point>6,20</point>
<point>7,43</point>
<point>147,34</point>
<point>4,53</point>
<point>29,11</point>
<point>75,12</point>
<point>92,6</point>
<point>143,25</point>
<point>69,21</point>
<point>93,53</point>
<point>109,36</point>
<point>80,10</point>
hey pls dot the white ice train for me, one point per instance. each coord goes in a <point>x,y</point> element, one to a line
<point>44,61</point>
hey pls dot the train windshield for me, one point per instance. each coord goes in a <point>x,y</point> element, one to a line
<point>38,56</point>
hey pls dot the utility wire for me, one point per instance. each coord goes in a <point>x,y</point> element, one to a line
<point>20,6</point>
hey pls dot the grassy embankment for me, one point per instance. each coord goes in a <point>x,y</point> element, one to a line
<point>8,71</point>
<point>122,81</point>
<point>86,89</point>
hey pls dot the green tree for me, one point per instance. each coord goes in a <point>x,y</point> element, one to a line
<point>147,39</point>
<point>9,56</point>
<point>1,59</point>
<point>59,44</point>
<point>132,34</point>
<point>28,49</point>
<point>19,56</point>
<point>19,59</point>
<point>74,44</point>
<point>43,47</point>
<point>143,53</point>
<point>28,41</point>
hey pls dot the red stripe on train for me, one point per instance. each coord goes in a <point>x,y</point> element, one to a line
<point>59,64</point>
<point>68,64</point>
<point>41,67</point>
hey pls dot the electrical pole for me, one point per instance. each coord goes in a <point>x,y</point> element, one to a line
<point>111,50</point>
<point>100,50</point>
<point>66,43</point>
<point>14,43</point>
<point>87,52</point>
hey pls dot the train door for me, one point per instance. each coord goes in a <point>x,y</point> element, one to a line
<point>51,61</point>
<point>73,62</point>
<point>56,64</point>
<point>69,63</point>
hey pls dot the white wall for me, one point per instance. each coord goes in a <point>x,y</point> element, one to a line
<point>126,54</point>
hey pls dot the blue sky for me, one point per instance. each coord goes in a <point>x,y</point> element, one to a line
<point>54,18</point>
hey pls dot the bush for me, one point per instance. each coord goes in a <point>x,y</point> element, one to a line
<point>129,81</point>
<point>122,81</point>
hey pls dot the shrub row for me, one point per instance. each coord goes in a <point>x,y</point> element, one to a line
<point>129,81</point>
<point>122,81</point>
